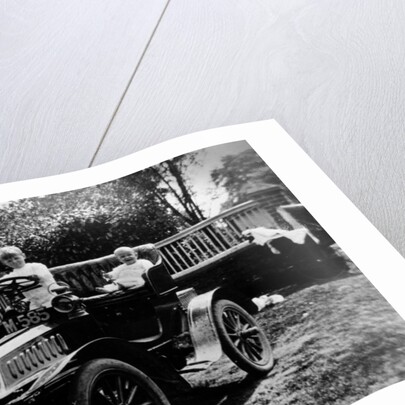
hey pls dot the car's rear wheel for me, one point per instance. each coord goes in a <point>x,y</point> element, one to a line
<point>109,381</point>
<point>242,339</point>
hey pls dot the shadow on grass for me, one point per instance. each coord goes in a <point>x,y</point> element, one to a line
<point>233,393</point>
<point>293,286</point>
<point>335,342</point>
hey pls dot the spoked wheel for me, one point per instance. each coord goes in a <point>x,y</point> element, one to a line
<point>113,382</point>
<point>242,339</point>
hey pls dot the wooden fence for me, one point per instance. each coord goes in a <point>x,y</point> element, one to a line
<point>213,237</point>
<point>185,252</point>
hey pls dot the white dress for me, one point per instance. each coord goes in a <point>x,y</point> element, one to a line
<point>40,296</point>
<point>130,275</point>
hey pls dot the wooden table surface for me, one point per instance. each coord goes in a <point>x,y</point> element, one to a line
<point>84,82</point>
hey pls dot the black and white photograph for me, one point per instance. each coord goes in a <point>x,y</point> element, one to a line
<point>200,280</point>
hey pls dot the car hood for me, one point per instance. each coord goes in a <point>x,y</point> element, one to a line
<point>38,380</point>
<point>28,354</point>
<point>16,339</point>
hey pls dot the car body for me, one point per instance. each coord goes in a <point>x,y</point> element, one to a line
<point>109,347</point>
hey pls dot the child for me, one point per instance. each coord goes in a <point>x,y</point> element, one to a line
<point>13,257</point>
<point>129,273</point>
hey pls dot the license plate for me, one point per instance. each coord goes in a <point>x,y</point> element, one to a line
<point>27,320</point>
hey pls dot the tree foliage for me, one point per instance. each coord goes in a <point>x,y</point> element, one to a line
<point>240,170</point>
<point>169,184</point>
<point>144,207</point>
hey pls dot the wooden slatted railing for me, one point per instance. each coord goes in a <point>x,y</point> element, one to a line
<point>186,251</point>
<point>212,237</point>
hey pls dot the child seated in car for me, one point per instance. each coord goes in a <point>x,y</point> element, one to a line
<point>129,273</point>
<point>13,257</point>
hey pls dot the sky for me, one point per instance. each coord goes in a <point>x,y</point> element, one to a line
<point>200,177</point>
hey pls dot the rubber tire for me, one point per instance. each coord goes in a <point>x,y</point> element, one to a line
<point>230,349</point>
<point>90,372</point>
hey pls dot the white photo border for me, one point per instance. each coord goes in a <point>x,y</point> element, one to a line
<point>362,242</point>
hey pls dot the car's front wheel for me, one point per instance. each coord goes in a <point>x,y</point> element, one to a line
<point>109,381</point>
<point>242,339</point>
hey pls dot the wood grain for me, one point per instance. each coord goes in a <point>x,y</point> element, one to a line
<point>330,72</point>
<point>63,67</point>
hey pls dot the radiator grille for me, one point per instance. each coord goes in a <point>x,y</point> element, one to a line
<point>39,354</point>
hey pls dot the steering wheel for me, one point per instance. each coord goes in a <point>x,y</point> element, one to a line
<point>17,284</point>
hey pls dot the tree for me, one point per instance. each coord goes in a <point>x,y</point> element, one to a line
<point>84,224</point>
<point>144,207</point>
<point>169,184</point>
<point>240,170</point>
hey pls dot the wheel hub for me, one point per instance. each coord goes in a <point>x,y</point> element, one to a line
<point>250,331</point>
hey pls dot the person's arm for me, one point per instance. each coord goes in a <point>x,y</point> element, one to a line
<point>42,274</point>
<point>114,273</point>
<point>147,264</point>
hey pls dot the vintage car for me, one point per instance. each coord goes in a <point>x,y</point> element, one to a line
<point>125,347</point>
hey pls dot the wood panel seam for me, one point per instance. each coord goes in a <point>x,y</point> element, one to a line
<point>129,84</point>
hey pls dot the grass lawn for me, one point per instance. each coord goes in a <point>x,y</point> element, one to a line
<point>334,343</point>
